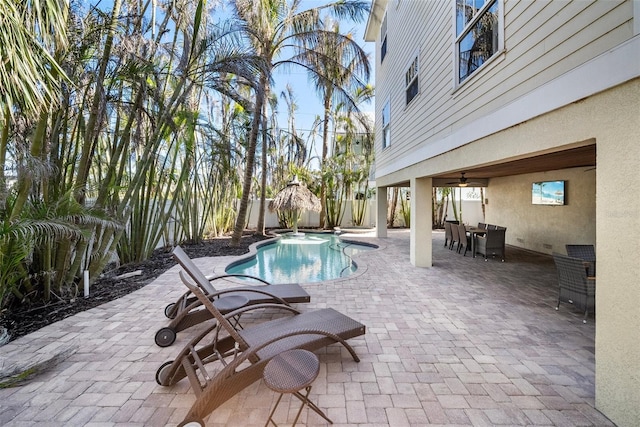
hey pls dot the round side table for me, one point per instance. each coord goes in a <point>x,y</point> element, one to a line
<point>290,372</point>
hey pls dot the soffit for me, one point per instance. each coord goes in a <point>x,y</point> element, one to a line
<point>372,28</point>
<point>576,157</point>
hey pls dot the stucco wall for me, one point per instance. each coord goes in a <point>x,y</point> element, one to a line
<point>540,228</point>
<point>618,236</point>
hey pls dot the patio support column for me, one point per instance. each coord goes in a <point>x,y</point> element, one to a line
<point>381,212</point>
<point>618,291</point>
<point>421,222</point>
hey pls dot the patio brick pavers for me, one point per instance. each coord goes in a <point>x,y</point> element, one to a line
<point>467,342</point>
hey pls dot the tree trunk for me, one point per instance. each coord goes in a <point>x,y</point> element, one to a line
<point>325,153</point>
<point>250,160</point>
<point>263,180</point>
<point>393,207</point>
<point>25,180</point>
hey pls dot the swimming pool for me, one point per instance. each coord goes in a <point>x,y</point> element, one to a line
<point>301,259</point>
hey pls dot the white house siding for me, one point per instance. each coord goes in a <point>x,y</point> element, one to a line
<point>430,21</point>
<point>543,40</point>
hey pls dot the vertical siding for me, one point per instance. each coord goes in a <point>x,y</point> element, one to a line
<point>543,40</point>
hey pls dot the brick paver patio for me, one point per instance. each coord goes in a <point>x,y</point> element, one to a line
<point>466,342</point>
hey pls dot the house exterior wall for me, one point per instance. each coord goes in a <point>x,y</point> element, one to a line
<point>618,293</point>
<point>569,76</point>
<point>541,228</point>
<point>543,40</point>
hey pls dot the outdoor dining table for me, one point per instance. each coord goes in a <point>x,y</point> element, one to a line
<point>474,232</point>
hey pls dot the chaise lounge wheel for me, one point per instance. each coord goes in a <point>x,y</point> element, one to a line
<point>191,423</point>
<point>165,337</point>
<point>169,311</point>
<point>163,372</point>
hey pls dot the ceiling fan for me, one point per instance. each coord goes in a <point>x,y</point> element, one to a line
<point>462,182</point>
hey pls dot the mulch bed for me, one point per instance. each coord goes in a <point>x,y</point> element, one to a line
<point>109,286</point>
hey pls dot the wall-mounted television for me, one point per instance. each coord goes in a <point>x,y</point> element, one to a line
<point>548,193</point>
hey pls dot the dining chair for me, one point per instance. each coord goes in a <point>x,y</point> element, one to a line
<point>586,253</point>
<point>574,287</point>
<point>455,239</point>
<point>491,244</point>
<point>447,233</point>
<point>464,239</point>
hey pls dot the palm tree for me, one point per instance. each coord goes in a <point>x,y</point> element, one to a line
<point>29,74</point>
<point>346,70</point>
<point>125,134</point>
<point>294,150</point>
<point>276,28</point>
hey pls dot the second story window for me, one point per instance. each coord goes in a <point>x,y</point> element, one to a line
<point>383,38</point>
<point>411,80</point>
<point>478,34</point>
<point>386,128</point>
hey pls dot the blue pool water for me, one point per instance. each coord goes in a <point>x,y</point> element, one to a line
<point>301,259</point>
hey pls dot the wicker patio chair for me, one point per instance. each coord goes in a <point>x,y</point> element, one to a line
<point>586,253</point>
<point>464,239</point>
<point>574,286</point>
<point>243,353</point>
<point>447,233</point>
<point>491,244</point>
<point>187,311</point>
<point>455,239</point>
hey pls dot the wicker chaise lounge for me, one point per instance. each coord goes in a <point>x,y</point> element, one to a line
<point>244,353</point>
<point>187,311</point>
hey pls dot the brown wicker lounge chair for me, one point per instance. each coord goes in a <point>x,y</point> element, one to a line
<point>187,311</point>
<point>574,286</point>
<point>244,353</point>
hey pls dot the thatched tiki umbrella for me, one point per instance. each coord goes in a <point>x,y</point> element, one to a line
<point>295,197</point>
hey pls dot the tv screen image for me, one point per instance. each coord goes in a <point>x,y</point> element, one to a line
<point>548,193</point>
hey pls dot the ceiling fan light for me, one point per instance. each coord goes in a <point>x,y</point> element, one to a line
<point>462,184</point>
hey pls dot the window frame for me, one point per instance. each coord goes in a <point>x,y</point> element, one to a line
<point>408,82</point>
<point>458,38</point>
<point>386,127</point>
<point>383,38</point>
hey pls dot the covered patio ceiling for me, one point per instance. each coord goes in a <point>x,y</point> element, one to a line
<point>584,156</point>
